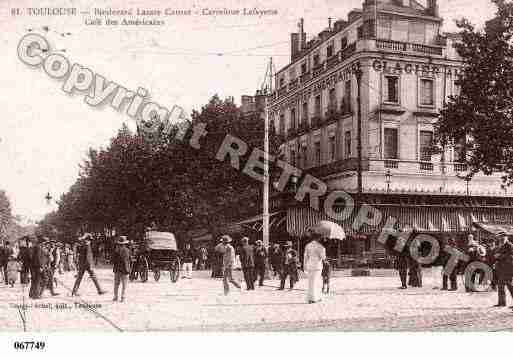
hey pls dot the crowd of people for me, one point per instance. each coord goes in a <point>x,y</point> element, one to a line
<point>497,254</point>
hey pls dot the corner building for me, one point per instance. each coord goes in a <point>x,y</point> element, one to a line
<point>409,69</point>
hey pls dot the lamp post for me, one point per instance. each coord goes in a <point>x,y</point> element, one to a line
<point>388,176</point>
<point>357,70</point>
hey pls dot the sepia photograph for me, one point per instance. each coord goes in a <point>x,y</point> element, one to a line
<point>228,166</point>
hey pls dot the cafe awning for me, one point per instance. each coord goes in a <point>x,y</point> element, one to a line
<point>495,228</point>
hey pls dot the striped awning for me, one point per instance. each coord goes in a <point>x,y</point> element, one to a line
<point>423,218</point>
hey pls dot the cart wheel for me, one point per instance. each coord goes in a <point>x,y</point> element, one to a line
<point>156,274</point>
<point>143,270</point>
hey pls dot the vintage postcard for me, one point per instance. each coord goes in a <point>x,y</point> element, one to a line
<point>255,166</point>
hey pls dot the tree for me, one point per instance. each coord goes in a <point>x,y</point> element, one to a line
<point>480,117</point>
<point>5,215</point>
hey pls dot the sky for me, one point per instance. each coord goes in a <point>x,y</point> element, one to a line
<point>45,133</point>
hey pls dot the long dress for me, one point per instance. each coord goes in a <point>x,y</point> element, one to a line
<point>315,254</point>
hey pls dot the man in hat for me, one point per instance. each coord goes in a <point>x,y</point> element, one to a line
<point>275,259</point>
<point>121,267</point>
<point>85,264</point>
<point>504,268</point>
<point>47,275</point>
<point>247,260</point>
<point>228,253</point>
<point>315,254</point>
<point>260,261</point>
<point>24,256</point>
<point>5,252</point>
<point>187,259</point>
<point>36,259</point>
<point>288,266</point>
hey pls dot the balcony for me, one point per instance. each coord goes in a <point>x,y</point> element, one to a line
<point>328,169</point>
<point>460,167</point>
<point>282,91</point>
<point>316,122</point>
<point>409,47</point>
<point>303,126</point>
<point>305,77</point>
<point>426,166</point>
<point>317,70</point>
<point>293,84</point>
<point>332,61</point>
<point>332,115</point>
<point>393,164</point>
<point>348,51</point>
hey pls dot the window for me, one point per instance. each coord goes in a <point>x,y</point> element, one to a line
<point>305,112</point>
<point>385,28</point>
<point>318,105</point>
<point>292,74</point>
<point>293,123</point>
<point>332,147</point>
<point>317,151</point>
<point>360,32</point>
<point>282,82</point>
<point>293,158</point>
<point>392,89</point>
<point>303,157</point>
<point>346,100</point>
<point>282,124</point>
<point>343,43</point>
<point>329,50</point>
<point>316,59</point>
<point>426,142</point>
<point>347,144</point>
<point>303,68</point>
<point>426,92</point>
<point>391,138</point>
<point>332,105</point>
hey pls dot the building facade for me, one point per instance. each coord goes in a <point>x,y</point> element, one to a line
<point>408,70</point>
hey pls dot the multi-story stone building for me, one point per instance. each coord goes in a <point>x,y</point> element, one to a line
<point>408,70</point>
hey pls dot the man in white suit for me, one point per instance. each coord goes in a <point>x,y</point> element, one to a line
<point>315,253</point>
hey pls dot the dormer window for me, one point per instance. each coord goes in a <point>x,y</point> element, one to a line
<point>282,82</point>
<point>316,59</point>
<point>329,50</point>
<point>343,43</point>
<point>303,68</point>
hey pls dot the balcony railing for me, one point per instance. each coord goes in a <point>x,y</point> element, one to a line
<point>293,84</point>
<point>460,167</point>
<point>426,166</point>
<point>332,61</point>
<point>391,164</point>
<point>305,77</point>
<point>282,91</point>
<point>408,47</point>
<point>317,70</point>
<point>348,51</point>
<point>316,121</point>
<point>328,169</point>
<point>332,115</point>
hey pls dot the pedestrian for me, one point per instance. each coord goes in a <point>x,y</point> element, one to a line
<point>5,252</point>
<point>187,260</point>
<point>85,264</point>
<point>275,259</point>
<point>13,270</point>
<point>121,267</point>
<point>24,257</point>
<point>401,264</point>
<point>47,270</point>
<point>217,263</point>
<point>247,261</point>
<point>288,266</point>
<point>315,254</point>
<point>260,262</point>
<point>35,268</point>
<point>203,257</point>
<point>504,268</point>
<point>453,275</point>
<point>228,260</point>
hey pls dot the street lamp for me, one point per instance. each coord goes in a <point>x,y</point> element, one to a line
<point>388,176</point>
<point>48,198</point>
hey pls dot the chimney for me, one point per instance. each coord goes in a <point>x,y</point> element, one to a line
<point>302,35</point>
<point>329,23</point>
<point>432,8</point>
<point>294,46</point>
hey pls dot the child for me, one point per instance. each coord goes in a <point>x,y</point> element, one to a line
<point>13,270</point>
<point>326,275</point>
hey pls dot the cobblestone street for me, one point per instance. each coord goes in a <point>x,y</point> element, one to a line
<point>355,304</point>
